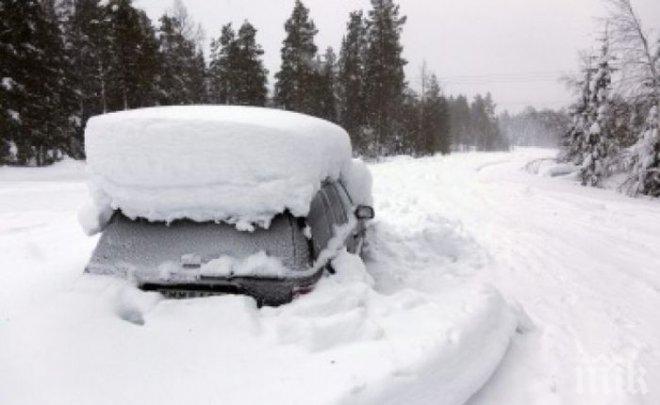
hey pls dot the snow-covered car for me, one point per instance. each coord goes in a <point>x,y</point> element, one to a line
<point>204,200</point>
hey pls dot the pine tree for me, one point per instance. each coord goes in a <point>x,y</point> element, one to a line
<point>86,38</point>
<point>574,142</point>
<point>178,59</point>
<point>236,72</point>
<point>223,67</point>
<point>182,70</point>
<point>644,175</point>
<point>34,101</point>
<point>198,78</point>
<point>252,77</point>
<point>478,122</point>
<point>148,63</point>
<point>134,63</point>
<point>351,80</point>
<point>172,83</point>
<point>599,145</point>
<point>408,122</point>
<point>8,89</point>
<point>496,140</point>
<point>64,121</point>
<point>484,127</point>
<point>489,139</point>
<point>195,63</point>
<point>297,73</point>
<point>459,122</point>
<point>384,64</point>
<point>325,96</point>
<point>434,128</point>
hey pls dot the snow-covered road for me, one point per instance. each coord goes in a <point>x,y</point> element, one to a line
<point>584,264</point>
<point>475,266</point>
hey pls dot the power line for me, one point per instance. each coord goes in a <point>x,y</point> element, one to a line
<point>508,74</point>
<point>503,78</point>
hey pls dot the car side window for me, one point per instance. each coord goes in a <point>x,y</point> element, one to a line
<point>318,220</point>
<point>337,206</point>
<point>345,198</point>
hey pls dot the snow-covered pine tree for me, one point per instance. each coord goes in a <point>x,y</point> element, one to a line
<point>198,77</point>
<point>7,89</point>
<point>645,168</point>
<point>178,54</point>
<point>574,141</point>
<point>195,66</point>
<point>148,62</point>
<point>297,73</point>
<point>34,110</point>
<point>384,88</point>
<point>641,67</point>
<point>86,43</point>
<point>222,67</point>
<point>134,63</point>
<point>351,80</point>
<point>599,148</point>
<point>325,95</point>
<point>236,72</point>
<point>251,74</point>
<point>64,120</point>
<point>181,74</point>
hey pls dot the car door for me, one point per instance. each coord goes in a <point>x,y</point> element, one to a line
<point>329,209</point>
<point>336,206</point>
<point>342,209</point>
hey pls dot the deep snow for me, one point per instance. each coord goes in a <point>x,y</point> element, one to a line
<point>474,266</point>
<point>236,164</point>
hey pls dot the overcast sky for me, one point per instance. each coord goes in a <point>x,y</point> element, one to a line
<point>516,49</point>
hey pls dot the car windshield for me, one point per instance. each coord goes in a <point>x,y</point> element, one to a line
<point>142,245</point>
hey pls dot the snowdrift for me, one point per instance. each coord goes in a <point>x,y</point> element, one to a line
<point>235,164</point>
<point>103,341</point>
<point>549,167</point>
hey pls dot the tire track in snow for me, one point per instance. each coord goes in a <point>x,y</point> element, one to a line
<point>580,261</point>
<point>595,288</point>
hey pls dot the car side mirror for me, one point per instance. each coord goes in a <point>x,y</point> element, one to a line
<point>364,212</point>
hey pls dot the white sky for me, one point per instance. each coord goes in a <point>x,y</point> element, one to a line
<point>516,49</point>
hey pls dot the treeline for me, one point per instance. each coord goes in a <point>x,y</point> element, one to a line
<point>532,127</point>
<point>614,127</point>
<point>63,61</point>
<point>474,126</point>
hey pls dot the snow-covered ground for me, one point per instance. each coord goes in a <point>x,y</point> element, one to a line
<point>483,283</point>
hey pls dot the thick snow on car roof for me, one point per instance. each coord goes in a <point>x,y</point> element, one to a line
<point>226,163</point>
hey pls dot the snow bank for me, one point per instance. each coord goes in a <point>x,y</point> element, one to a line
<point>548,167</point>
<point>66,169</point>
<point>235,164</point>
<point>358,183</point>
<point>101,339</point>
<point>93,217</point>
